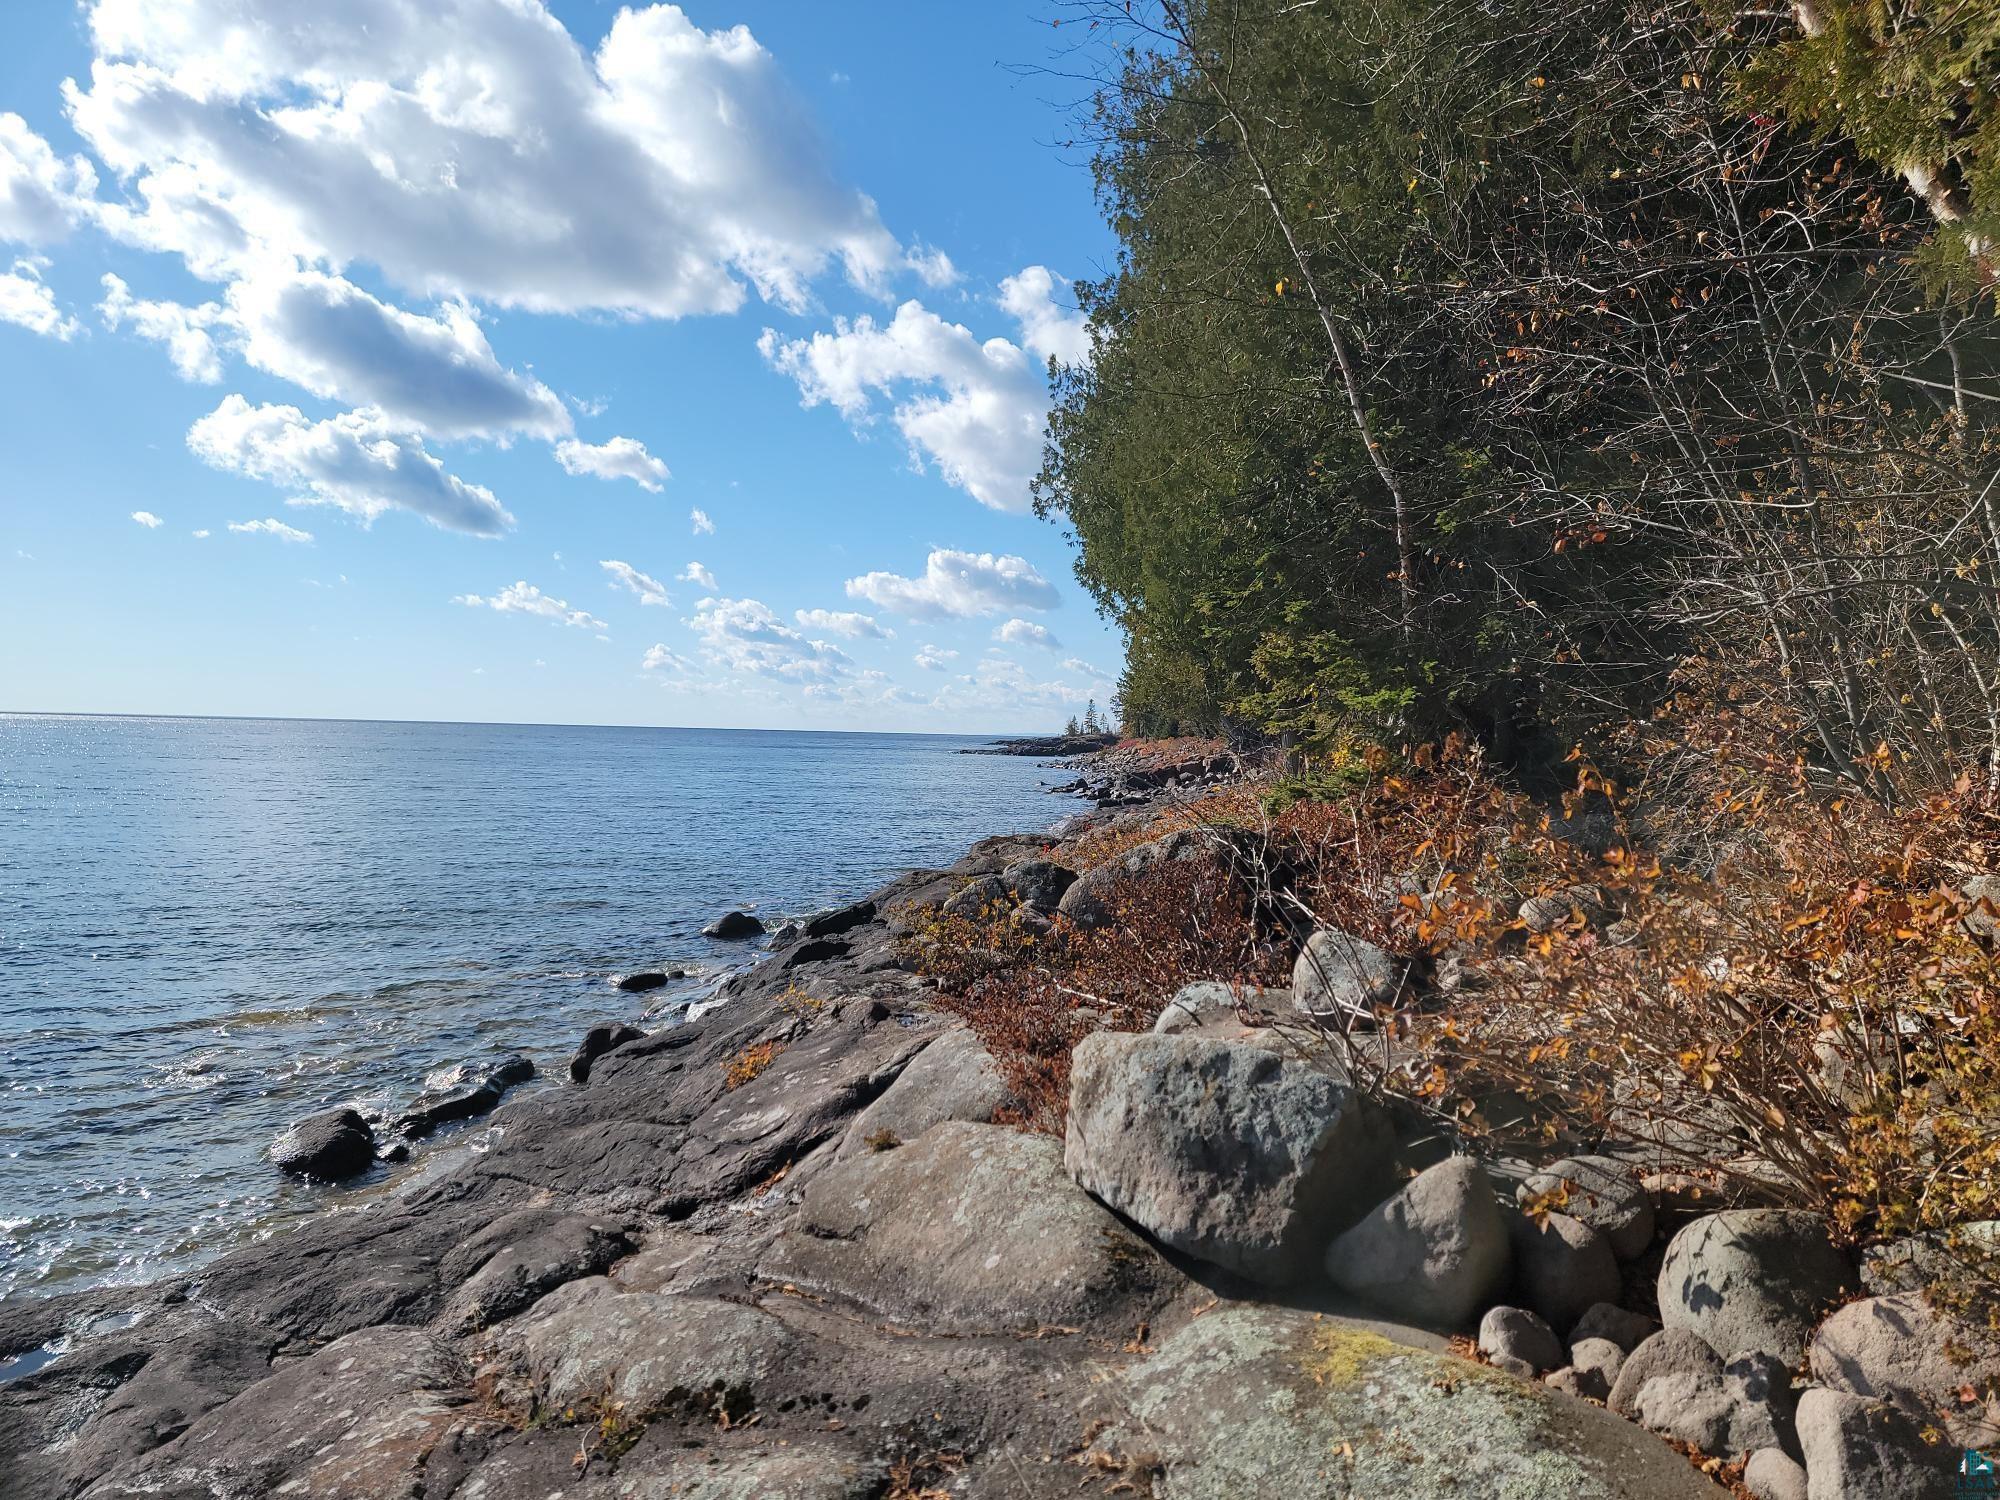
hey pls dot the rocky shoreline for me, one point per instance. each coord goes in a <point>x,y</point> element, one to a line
<point>782,1249</point>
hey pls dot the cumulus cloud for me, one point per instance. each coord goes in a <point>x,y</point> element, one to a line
<point>270,526</point>
<point>354,461</point>
<point>147,519</point>
<point>1051,329</point>
<point>26,301</point>
<point>931,265</point>
<point>188,332</point>
<point>743,635</point>
<point>524,598</point>
<point>620,458</point>
<point>701,523</point>
<point>696,574</point>
<point>850,623</point>
<point>1019,632</point>
<point>958,585</point>
<point>624,575</point>
<point>934,658</point>
<point>1000,685</point>
<point>975,410</point>
<point>41,195</point>
<point>661,658</point>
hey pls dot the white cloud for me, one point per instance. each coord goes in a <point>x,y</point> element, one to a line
<point>1083,668</point>
<point>743,635</point>
<point>702,525</point>
<point>1050,329</point>
<point>975,410</point>
<point>661,658</point>
<point>524,598</point>
<point>25,300</point>
<point>696,574</point>
<point>271,527</point>
<point>1026,633</point>
<point>934,658</point>
<point>40,194</point>
<point>354,461</point>
<point>958,584</point>
<point>624,575</point>
<point>200,535</point>
<point>185,331</point>
<point>850,623</point>
<point>147,519</point>
<point>620,458</point>
<point>999,685</point>
<point>931,265</point>
<point>472,149</point>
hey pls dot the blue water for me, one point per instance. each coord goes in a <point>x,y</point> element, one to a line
<point>209,927</point>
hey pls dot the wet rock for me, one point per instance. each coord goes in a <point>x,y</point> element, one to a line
<point>433,1110</point>
<point>838,919</point>
<point>1039,883</point>
<point>733,926</point>
<point>1606,1320</point>
<point>1599,1191</point>
<point>970,1227</point>
<point>1773,1474</point>
<point>638,984</point>
<point>1224,1152</point>
<point>1340,979</point>
<point>1752,1279</point>
<point>1433,1254</point>
<point>1857,1449</point>
<point>981,898</point>
<point>1268,1401</point>
<point>1901,1350</point>
<point>331,1145</point>
<point>1519,1342</point>
<point>954,1078</point>
<point>596,1042</point>
<point>531,1254</point>
<point>1562,1267</point>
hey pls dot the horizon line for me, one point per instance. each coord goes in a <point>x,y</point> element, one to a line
<point>78,713</point>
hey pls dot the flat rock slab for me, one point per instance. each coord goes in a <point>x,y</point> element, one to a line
<point>971,1228</point>
<point>1272,1401</point>
<point>954,1078</point>
<point>535,1254</point>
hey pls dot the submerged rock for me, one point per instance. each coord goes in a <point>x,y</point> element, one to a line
<point>431,1111</point>
<point>733,926</point>
<point>638,984</point>
<point>333,1144</point>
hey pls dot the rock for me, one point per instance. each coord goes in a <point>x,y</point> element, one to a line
<point>1433,1254</point>
<point>838,919</point>
<point>1599,1191</point>
<point>1571,1381</point>
<point>954,1078</point>
<point>637,984</point>
<point>1224,1152</point>
<point>529,1254</point>
<point>1971,1252</point>
<point>1031,921</point>
<point>1089,900</point>
<point>395,1153</point>
<point>1597,1362</point>
<point>432,1110</point>
<point>1206,1000</point>
<point>1562,1267</point>
<point>510,1070</point>
<point>1606,1320</point>
<point>1773,1474</point>
<point>596,1042</point>
<point>970,1228</point>
<point>1982,894</point>
<point>1901,1350</point>
<point>1519,1342</point>
<point>788,932</point>
<point>1677,1386</point>
<point>333,1144</point>
<point>1752,1279</point>
<point>1341,979</point>
<point>983,897</point>
<point>1547,912</point>
<point>734,926</point>
<point>1856,1449</point>
<point>1251,1400</point>
<point>1038,883</point>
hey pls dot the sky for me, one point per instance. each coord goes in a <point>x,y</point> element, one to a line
<point>514,361</point>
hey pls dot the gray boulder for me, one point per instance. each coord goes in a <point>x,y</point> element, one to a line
<point>1197,1004</point>
<point>733,926</point>
<point>1039,883</point>
<point>1547,912</point>
<point>1677,1386</point>
<point>1982,894</point>
<point>1091,899</point>
<point>1607,1320</point>
<point>1597,1363</point>
<point>333,1144</point>
<point>1902,1350</point>
<point>970,1228</point>
<point>1562,1267</point>
<point>1971,1252</point>
<point>1599,1191</point>
<point>982,897</point>
<point>1225,1152</point>
<point>1857,1449</point>
<point>1253,1400</point>
<point>1434,1253</point>
<point>1752,1279</point>
<point>954,1078</point>
<point>1519,1342</point>
<point>1773,1474</point>
<point>1340,979</point>
<point>596,1042</point>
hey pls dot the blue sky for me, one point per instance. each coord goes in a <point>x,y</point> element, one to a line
<point>454,359</point>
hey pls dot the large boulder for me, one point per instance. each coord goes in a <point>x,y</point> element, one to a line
<point>982,897</point>
<point>1857,1449</point>
<point>1340,979</point>
<point>1256,1400</point>
<point>596,1042</point>
<point>954,1078</point>
<point>970,1228</point>
<point>1225,1152</point>
<point>333,1144</point>
<point>733,927</point>
<point>1902,1350</point>
<point>1562,1267</point>
<point>1752,1279</point>
<point>1519,1342</point>
<point>1434,1253</point>
<point>1039,883</point>
<point>1599,1191</point>
<point>1773,1474</point>
<point>1677,1386</point>
<point>1090,901</point>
